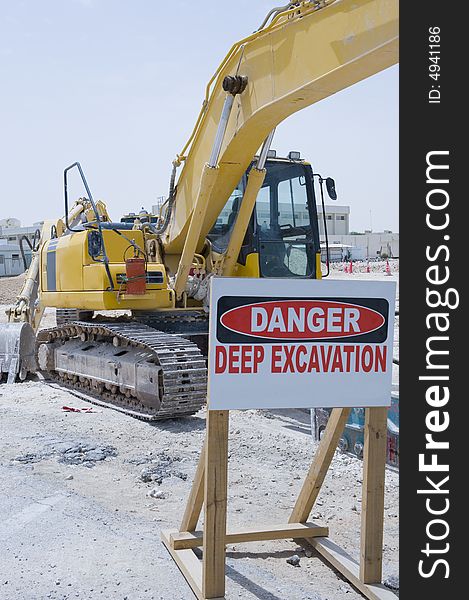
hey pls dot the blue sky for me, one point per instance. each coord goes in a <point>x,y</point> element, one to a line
<point>118,85</point>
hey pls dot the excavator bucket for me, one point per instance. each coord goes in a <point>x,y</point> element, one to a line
<point>17,351</point>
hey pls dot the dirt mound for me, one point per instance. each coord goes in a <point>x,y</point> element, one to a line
<point>10,287</point>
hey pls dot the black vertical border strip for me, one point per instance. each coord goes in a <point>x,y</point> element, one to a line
<point>426,127</point>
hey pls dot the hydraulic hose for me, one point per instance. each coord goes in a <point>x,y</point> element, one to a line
<point>275,11</point>
<point>161,228</point>
<point>23,238</point>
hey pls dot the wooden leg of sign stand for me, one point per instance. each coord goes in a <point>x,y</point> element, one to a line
<point>320,465</point>
<point>215,494</point>
<point>366,576</point>
<point>207,577</point>
<point>196,496</point>
<point>374,457</point>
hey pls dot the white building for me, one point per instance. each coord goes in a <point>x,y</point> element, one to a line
<point>341,252</point>
<point>11,230</point>
<point>11,260</point>
<point>372,245</point>
<point>337,219</point>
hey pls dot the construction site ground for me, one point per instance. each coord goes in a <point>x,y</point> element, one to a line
<point>86,494</point>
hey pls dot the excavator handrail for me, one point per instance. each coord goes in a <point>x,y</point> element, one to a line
<point>88,191</point>
<point>105,260</point>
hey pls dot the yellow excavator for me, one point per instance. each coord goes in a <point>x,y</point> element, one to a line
<point>230,212</point>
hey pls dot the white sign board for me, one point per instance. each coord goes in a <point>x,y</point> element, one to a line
<point>300,343</point>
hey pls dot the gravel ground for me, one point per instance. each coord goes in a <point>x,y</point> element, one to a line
<point>86,494</point>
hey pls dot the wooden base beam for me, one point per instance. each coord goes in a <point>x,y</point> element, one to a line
<point>350,569</point>
<point>189,565</point>
<point>181,540</point>
<point>207,576</point>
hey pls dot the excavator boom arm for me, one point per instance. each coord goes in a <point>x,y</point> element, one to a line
<point>306,54</point>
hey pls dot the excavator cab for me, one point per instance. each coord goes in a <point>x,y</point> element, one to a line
<point>282,239</point>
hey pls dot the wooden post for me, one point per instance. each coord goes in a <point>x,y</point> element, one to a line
<point>196,496</point>
<point>374,465</point>
<point>318,469</point>
<point>215,494</point>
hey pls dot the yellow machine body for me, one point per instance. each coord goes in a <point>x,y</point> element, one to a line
<point>70,278</point>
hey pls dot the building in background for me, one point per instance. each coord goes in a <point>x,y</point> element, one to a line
<point>341,252</point>
<point>11,262</point>
<point>368,245</point>
<point>11,259</point>
<point>11,230</point>
<point>337,219</point>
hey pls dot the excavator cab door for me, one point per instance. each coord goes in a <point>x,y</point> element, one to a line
<point>282,238</point>
<point>286,225</point>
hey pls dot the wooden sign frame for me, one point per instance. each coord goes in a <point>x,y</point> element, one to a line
<point>210,489</point>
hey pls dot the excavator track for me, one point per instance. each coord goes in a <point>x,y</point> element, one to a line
<point>128,366</point>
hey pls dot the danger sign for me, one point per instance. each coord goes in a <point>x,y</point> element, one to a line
<point>322,344</point>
